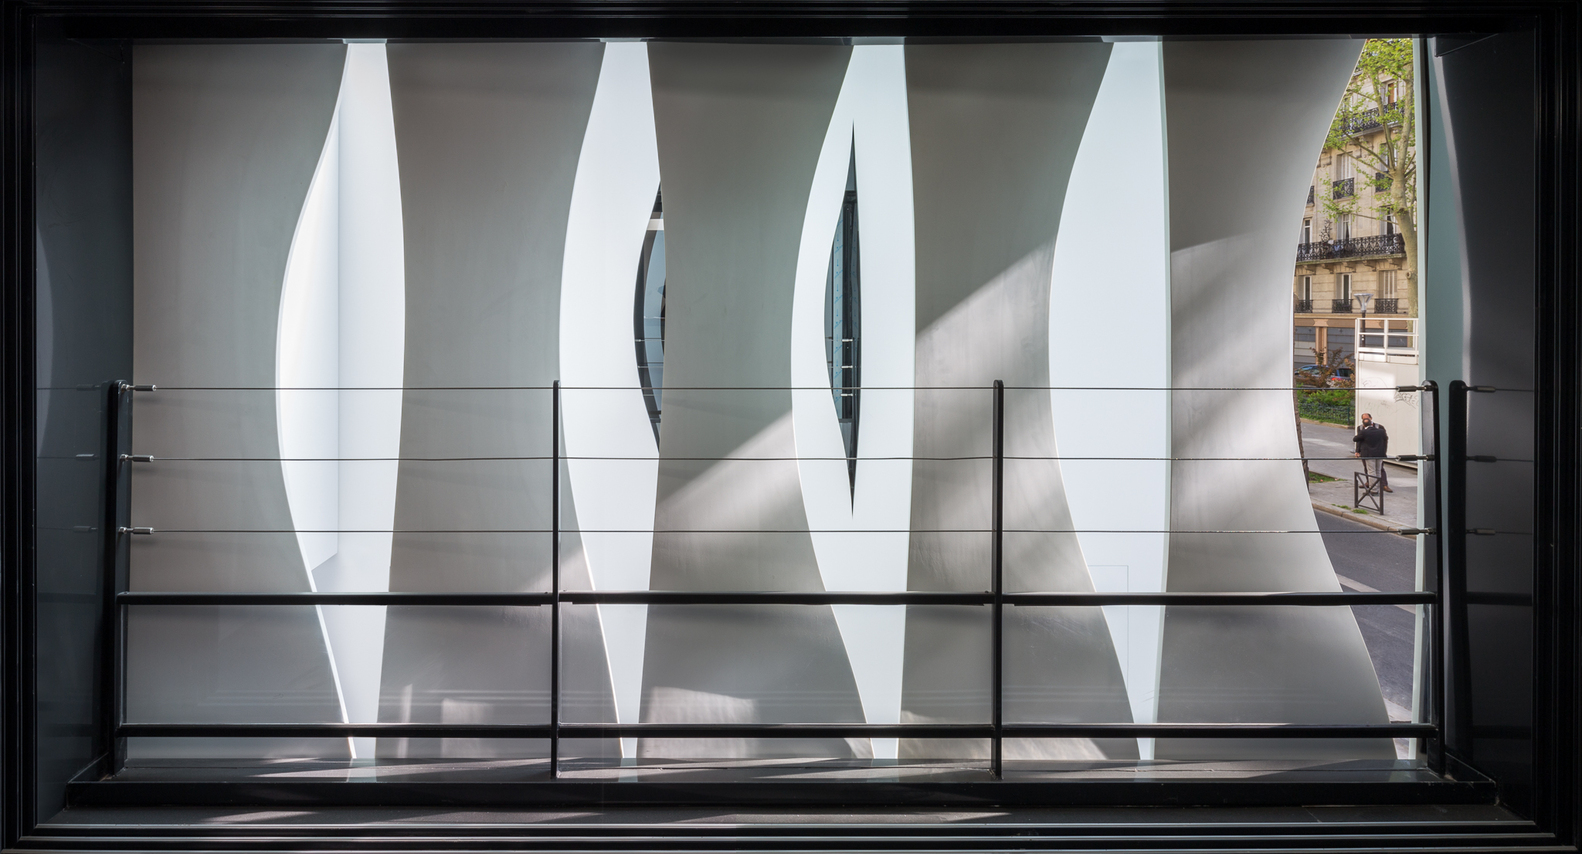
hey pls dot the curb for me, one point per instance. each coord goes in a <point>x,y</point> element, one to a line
<point>1361,520</point>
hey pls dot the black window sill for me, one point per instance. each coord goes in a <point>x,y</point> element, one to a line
<point>1436,827</point>
<point>394,782</point>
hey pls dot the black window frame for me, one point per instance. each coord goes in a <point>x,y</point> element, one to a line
<point>1553,801</point>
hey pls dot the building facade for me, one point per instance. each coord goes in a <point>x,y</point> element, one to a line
<point>1352,255</point>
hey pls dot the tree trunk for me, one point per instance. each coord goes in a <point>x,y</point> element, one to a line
<point>1408,228</point>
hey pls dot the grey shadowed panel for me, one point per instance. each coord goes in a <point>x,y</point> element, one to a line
<point>83,300</point>
<point>1482,249</point>
<point>487,138</point>
<point>224,145</point>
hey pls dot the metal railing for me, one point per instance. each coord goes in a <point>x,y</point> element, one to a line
<point>1370,119</point>
<point>1340,306</point>
<point>1345,188</point>
<point>1372,246</point>
<point>1304,306</point>
<point>1385,336</point>
<point>117,533</point>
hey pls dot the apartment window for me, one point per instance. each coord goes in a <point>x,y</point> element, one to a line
<point>1307,288</point>
<point>1307,227</point>
<point>1343,227</point>
<point>1345,287</point>
<point>1387,284</point>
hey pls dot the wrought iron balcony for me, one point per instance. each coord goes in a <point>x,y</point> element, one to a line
<point>1345,188</point>
<point>1304,306</point>
<point>1362,121</point>
<point>1340,306</point>
<point>1309,194</point>
<point>1367,120</point>
<point>1374,246</point>
<point>1387,305</point>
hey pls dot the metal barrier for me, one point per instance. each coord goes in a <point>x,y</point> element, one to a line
<point>115,728</point>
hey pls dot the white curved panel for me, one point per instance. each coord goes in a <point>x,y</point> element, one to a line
<point>306,374</point>
<point>372,354</point>
<point>1235,201</point>
<point>870,114</point>
<point>340,365</point>
<point>995,131</point>
<point>603,414</point>
<point>1111,278</point>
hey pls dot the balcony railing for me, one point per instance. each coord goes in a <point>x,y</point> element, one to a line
<point>1363,121</point>
<point>1304,306</point>
<point>1345,188</point>
<point>1340,306</point>
<point>1387,305</point>
<point>1375,246</point>
<point>1310,194</point>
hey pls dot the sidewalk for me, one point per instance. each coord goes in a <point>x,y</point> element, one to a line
<point>1328,440</point>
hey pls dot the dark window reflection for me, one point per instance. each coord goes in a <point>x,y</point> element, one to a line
<point>649,313</point>
<point>842,322</point>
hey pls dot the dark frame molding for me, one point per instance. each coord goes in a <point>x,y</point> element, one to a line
<point>1556,805</point>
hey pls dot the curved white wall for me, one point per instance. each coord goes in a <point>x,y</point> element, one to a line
<point>413,261</point>
<point>1235,201</point>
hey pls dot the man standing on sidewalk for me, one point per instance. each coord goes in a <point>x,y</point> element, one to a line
<point>1372,443</point>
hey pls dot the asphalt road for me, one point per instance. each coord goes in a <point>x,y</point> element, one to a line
<point>1367,559</point>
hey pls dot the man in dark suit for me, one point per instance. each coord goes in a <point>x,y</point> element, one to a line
<point>1372,443</point>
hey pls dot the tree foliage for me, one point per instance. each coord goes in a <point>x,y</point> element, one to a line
<point>1379,98</point>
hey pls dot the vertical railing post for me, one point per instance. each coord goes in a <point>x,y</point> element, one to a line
<point>1455,593</point>
<point>1436,612</point>
<point>554,581</point>
<point>997,556</point>
<point>111,648</point>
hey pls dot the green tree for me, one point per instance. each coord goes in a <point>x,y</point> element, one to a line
<point>1376,126</point>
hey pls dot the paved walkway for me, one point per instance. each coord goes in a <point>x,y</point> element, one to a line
<point>1327,440</point>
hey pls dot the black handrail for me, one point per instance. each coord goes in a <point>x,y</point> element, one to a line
<point>116,728</point>
<point>1459,726</point>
